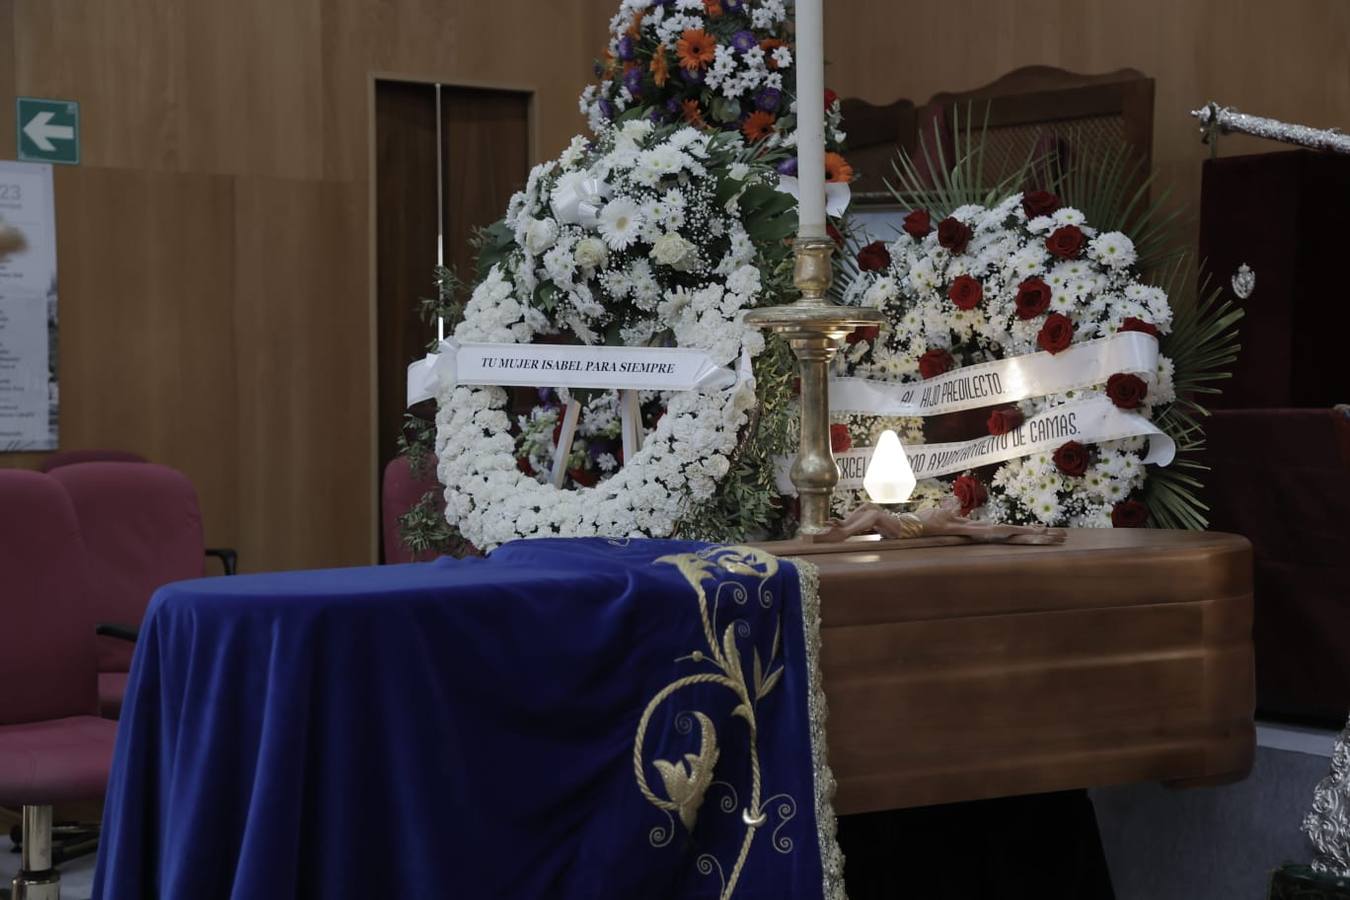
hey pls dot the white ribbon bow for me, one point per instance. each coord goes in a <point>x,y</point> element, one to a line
<point>578,198</point>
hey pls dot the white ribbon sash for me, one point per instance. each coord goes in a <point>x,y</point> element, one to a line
<point>625,369</point>
<point>1000,381</point>
<point>566,366</point>
<point>1086,421</point>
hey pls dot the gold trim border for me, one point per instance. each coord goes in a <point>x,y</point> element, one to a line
<point>827,827</point>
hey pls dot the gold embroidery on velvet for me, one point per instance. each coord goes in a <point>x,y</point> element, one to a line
<point>687,781</point>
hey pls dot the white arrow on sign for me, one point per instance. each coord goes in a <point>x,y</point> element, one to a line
<point>40,131</point>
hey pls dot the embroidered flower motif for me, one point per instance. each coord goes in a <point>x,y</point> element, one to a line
<point>687,780</point>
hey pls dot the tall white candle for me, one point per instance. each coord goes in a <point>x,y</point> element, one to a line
<point>811,118</point>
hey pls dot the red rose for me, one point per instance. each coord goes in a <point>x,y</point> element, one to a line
<point>1033,298</point>
<point>934,363</point>
<point>1039,203</point>
<point>840,439</point>
<point>866,333</point>
<point>1072,459</point>
<point>1133,324</point>
<point>918,224</point>
<point>830,97</point>
<point>970,493</point>
<point>523,465</point>
<point>954,234</point>
<point>1066,242</point>
<point>1129,514</point>
<point>874,257</point>
<point>965,292</point>
<point>1004,419</point>
<point>1125,390</point>
<point>1056,334</point>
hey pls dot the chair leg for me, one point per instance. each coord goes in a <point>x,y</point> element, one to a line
<point>37,878</point>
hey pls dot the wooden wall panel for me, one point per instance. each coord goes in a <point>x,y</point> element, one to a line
<point>252,101</point>
<point>147,332</point>
<point>302,357</point>
<point>1287,60</point>
<point>123,61</point>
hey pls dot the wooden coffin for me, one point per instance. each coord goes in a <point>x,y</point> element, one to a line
<point>965,672</point>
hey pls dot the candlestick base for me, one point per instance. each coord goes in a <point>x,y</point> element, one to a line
<point>814,328</point>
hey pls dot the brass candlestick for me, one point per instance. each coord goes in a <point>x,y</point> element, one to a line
<point>815,328</point>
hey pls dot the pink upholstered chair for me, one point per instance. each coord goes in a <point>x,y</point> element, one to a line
<point>73,457</point>
<point>54,748</point>
<point>142,528</point>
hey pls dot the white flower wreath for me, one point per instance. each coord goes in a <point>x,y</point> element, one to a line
<point>1027,275</point>
<point>630,239</point>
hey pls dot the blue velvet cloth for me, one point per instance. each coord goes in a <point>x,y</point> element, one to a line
<point>467,728</point>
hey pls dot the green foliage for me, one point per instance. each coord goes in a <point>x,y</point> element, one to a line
<point>417,442</point>
<point>447,304</point>
<point>747,505</point>
<point>962,180</point>
<point>1114,190</point>
<point>423,529</point>
<point>1203,346</point>
<point>491,246</point>
<point>1106,183</point>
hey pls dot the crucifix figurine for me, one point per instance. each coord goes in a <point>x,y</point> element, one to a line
<point>944,521</point>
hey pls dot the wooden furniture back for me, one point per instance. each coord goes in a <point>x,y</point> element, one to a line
<point>1039,110</point>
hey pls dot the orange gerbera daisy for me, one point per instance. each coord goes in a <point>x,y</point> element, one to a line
<point>635,29</point>
<point>837,168</point>
<point>757,125</point>
<point>696,48</point>
<point>714,8</point>
<point>660,70</point>
<point>692,114</point>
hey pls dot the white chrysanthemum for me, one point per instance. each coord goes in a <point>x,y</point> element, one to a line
<point>659,162</point>
<point>1113,249</point>
<point>620,223</point>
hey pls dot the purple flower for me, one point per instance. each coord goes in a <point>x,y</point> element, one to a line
<point>673,106</point>
<point>625,48</point>
<point>657,116</point>
<point>768,99</point>
<point>744,40</point>
<point>632,79</point>
<point>788,166</point>
<point>732,5</point>
<point>693,76</point>
<point>606,108</point>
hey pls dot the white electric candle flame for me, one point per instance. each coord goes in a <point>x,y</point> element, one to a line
<point>889,478</point>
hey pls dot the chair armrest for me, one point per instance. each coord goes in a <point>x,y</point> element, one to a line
<point>228,558</point>
<point>121,632</point>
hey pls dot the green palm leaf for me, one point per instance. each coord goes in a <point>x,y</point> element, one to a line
<point>1203,346</point>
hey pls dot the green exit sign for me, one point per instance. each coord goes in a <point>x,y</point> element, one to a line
<point>48,130</point>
